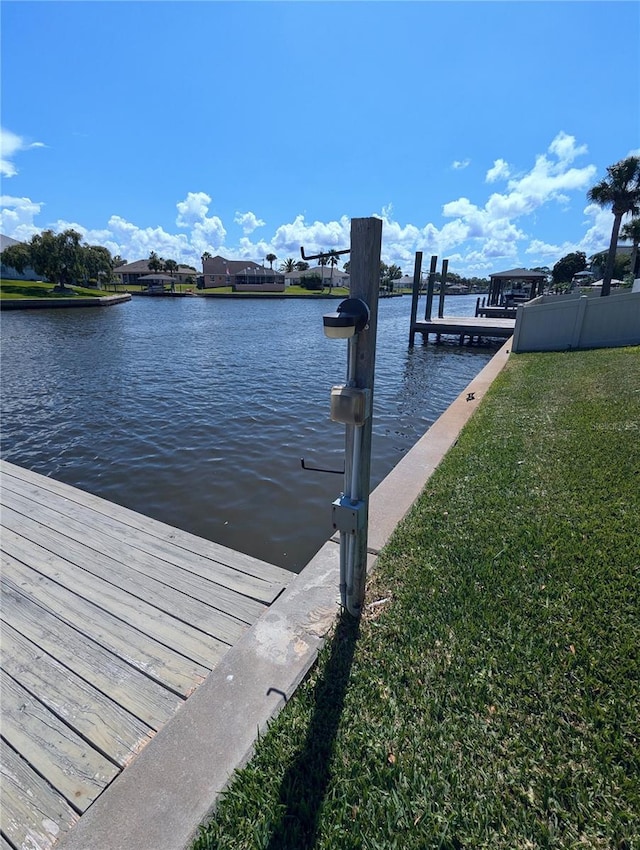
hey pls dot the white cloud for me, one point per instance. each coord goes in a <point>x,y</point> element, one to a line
<point>248,221</point>
<point>460,164</point>
<point>207,232</point>
<point>551,179</point>
<point>547,181</point>
<point>595,239</point>
<point>537,248</point>
<point>473,236</point>
<point>461,207</point>
<point>313,237</point>
<point>10,145</point>
<point>598,233</point>
<point>16,217</point>
<point>499,171</point>
<point>564,147</point>
<point>137,243</point>
<point>194,208</point>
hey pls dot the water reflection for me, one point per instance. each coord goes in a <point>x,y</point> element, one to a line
<point>197,412</point>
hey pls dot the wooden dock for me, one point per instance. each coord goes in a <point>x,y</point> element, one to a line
<point>463,326</point>
<point>488,322</point>
<point>497,312</point>
<point>109,621</point>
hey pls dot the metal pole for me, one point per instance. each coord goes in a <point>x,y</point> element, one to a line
<point>346,540</point>
<point>366,240</point>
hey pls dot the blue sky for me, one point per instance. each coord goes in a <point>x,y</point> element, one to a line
<point>474,129</point>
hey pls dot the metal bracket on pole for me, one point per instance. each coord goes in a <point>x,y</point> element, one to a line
<point>320,468</point>
<point>326,255</point>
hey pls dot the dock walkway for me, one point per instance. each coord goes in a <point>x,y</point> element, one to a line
<point>465,326</point>
<point>109,622</point>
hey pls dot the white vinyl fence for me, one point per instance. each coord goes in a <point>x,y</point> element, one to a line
<point>564,322</point>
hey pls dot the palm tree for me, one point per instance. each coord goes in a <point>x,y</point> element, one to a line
<point>621,191</point>
<point>323,259</point>
<point>171,266</point>
<point>270,258</point>
<point>333,262</point>
<point>288,266</point>
<point>155,262</point>
<point>631,233</point>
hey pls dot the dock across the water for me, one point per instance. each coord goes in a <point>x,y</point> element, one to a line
<point>464,327</point>
<point>110,621</point>
<point>488,322</point>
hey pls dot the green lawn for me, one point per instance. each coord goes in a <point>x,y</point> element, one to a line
<point>337,292</point>
<point>492,698</point>
<point>38,289</point>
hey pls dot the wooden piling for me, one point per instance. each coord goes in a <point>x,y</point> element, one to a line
<point>429,304</point>
<point>443,283</point>
<point>417,272</point>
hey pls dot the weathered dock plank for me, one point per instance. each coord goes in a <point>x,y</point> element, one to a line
<point>237,570</point>
<point>60,536</point>
<point>113,542</point>
<point>107,726</point>
<point>29,799</point>
<point>150,688</point>
<point>61,633</point>
<point>52,585</point>
<point>67,556</point>
<point>109,621</point>
<point>52,748</point>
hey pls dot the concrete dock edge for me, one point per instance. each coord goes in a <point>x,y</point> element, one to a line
<point>54,303</point>
<point>158,802</point>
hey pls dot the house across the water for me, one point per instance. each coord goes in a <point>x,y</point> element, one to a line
<point>241,275</point>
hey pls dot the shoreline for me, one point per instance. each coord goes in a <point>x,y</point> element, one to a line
<point>52,303</point>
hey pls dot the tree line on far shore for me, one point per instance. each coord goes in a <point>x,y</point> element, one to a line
<point>64,259</point>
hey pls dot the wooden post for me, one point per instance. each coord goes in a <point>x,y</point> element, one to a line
<point>417,271</point>
<point>364,271</point>
<point>443,282</point>
<point>429,304</point>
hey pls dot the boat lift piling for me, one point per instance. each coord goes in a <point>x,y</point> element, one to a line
<point>430,286</point>
<point>443,283</point>
<point>490,323</point>
<point>417,273</point>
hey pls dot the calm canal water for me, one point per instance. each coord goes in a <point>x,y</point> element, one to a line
<point>197,412</point>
